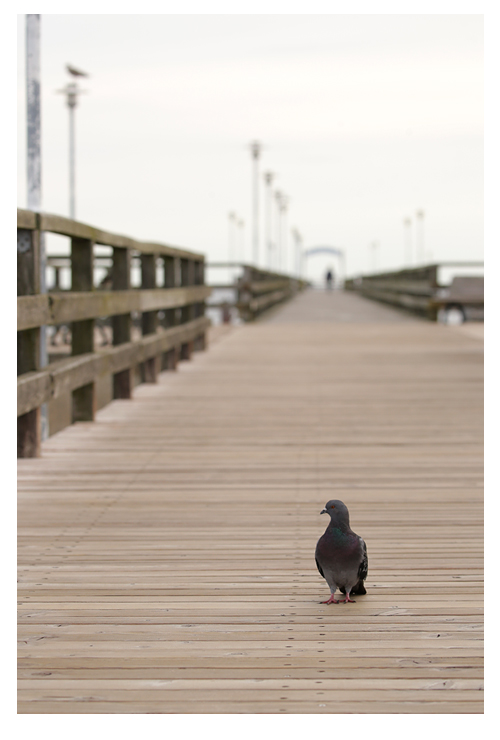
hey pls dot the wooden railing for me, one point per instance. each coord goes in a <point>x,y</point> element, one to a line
<point>258,290</point>
<point>418,290</point>
<point>173,322</point>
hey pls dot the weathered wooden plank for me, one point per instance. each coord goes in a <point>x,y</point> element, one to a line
<point>33,311</point>
<point>268,286</point>
<point>26,219</point>
<point>252,707</point>
<point>60,308</point>
<point>76,229</point>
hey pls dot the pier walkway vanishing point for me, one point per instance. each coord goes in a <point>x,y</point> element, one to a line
<point>167,549</point>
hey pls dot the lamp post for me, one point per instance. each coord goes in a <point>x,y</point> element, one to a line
<point>284,207</point>
<point>255,149</point>
<point>420,236</point>
<point>374,247</point>
<point>408,246</point>
<point>34,171</point>
<point>278,196</point>
<point>241,226</point>
<point>268,179</point>
<point>72,91</point>
<point>298,252</point>
<point>231,247</point>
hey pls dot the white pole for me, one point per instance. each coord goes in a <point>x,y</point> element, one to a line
<point>268,177</point>
<point>72,174</point>
<point>284,206</point>
<point>33,112</point>
<point>255,149</point>
<point>34,166</point>
<point>408,245</point>
<point>241,224</point>
<point>277,257</point>
<point>72,91</point>
<point>420,222</point>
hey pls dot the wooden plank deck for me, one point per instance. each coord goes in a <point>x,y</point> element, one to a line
<point>167,550</point>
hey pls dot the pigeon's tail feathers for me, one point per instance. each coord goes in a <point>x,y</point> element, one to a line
<point>357,589</point>
<point>319,568</point>
<point>363,566</point>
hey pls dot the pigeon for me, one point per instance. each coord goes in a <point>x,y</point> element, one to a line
<point>341,555</point>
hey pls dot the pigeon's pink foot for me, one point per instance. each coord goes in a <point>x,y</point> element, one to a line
<point>331,600</point>
<point>347,599</point>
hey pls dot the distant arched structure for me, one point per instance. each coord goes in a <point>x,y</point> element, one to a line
<point>335,251</point>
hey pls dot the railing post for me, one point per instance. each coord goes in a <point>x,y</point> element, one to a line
<point>29,431</point>
<point>149,368</point>
<point>170,281</point>
<point>170,357</point>
<point>187,312</point>
<point>123,382</point>
<point>199,279</point>
<point>82,332</point>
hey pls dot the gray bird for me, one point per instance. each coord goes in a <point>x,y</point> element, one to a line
<point>341,555</point>
<point>75,72</point>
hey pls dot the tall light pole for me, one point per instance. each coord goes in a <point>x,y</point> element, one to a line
<point>298,243</point>
<point>72,91</point>
<point>231,252</point>
<point>268,179</point>
<point>374,247</point>
<point>284,207</point>
<point>408,246</point>
<point>255,149</point>
<point>278,195</point>
<point>34,169</point>
<point>420,236</point>
<point>231,245</point>
<point>241,226</point>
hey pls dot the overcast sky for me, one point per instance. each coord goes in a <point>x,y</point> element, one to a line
<point>365,119</point>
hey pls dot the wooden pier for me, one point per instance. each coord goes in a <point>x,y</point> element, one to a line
<point>167,548</point>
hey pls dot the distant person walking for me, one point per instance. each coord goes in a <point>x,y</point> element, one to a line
<point>329,280</point>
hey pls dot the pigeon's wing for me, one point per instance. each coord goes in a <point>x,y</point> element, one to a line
<point>319,567</point>
<point>363,566</point>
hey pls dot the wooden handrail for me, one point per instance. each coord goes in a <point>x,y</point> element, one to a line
<point>75,229</point>
<point>66,307</point>
<point>416,289</point>
<point>258,290</point>
<point>172,318</point>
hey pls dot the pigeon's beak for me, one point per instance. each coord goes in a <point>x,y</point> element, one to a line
<point>323,512</point>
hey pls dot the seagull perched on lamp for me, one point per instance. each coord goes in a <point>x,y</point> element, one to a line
<point>75,72</point>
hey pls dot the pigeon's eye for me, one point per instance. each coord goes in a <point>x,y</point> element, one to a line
<point>332,506</point>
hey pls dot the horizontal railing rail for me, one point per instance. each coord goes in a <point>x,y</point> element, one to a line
<point>59,308</point>
<point>418,290</point>
<point>172,318</point>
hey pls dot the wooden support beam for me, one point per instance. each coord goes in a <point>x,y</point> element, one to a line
<point>187,349</point>
<point>82,332</point>
<point>28,341</point>
<point>84,403</point>
<point>169,272</point>
<point>151,367</point>
<point>123,381</point>
<point>29,434</point>
<point>169,359</point>
<point>66,306</point>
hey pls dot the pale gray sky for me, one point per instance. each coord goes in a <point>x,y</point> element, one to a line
<point>364,118</point>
